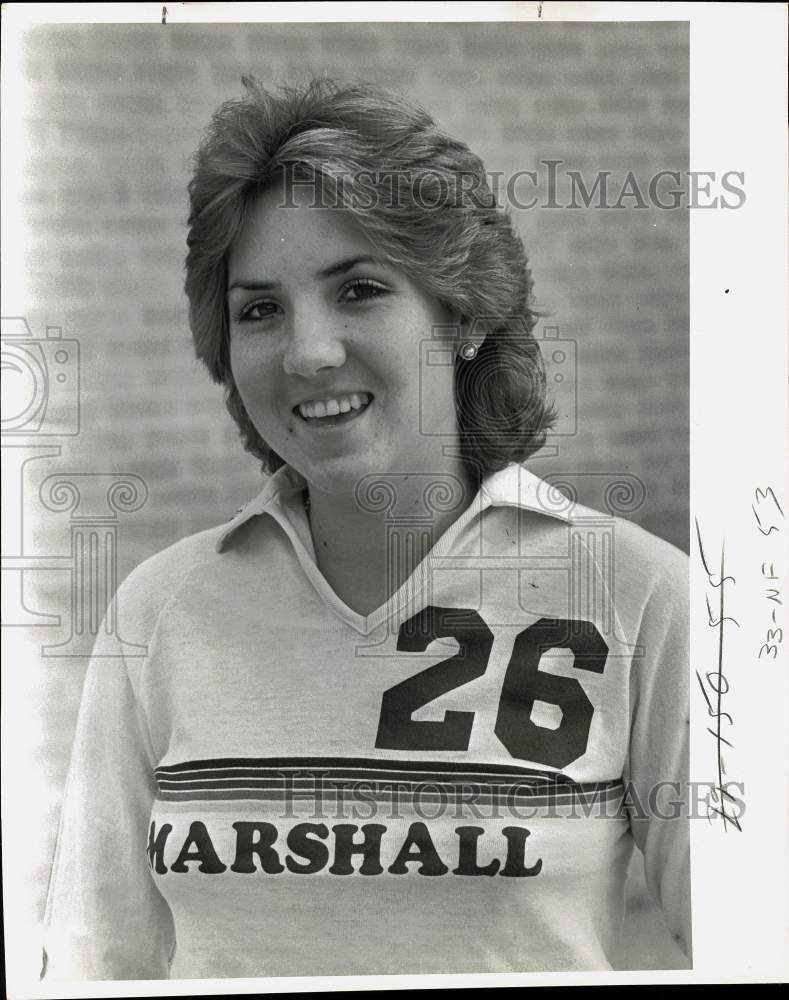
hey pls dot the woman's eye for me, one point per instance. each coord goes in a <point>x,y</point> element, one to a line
<point>256,311</point>
<point>360,290</point>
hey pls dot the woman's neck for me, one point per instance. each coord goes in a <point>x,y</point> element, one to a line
<point>368,544</point>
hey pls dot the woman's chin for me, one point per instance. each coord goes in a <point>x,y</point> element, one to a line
<point>344,476</point>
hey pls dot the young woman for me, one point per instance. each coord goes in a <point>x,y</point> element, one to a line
<point>397,716</point>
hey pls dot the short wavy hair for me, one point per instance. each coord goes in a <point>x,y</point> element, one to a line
<point>423,200</point>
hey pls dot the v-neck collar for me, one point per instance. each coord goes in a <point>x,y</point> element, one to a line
<point>282,499</point>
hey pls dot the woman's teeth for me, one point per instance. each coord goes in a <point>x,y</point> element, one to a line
<point>317,408</point>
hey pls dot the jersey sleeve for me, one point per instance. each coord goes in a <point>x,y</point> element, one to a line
<point>105,918</point>
<point>656,774</point>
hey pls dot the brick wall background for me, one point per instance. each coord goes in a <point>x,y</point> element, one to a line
<point>114,113</point>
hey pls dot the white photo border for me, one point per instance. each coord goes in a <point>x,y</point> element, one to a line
<point>739,438</point>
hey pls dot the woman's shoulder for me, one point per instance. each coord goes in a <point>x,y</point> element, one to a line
<point>649,575</point>
<point>638,543</point>
<point>640,552</point>
<point>178,557</point>
<point>152,583</point>
<point>545,507</point>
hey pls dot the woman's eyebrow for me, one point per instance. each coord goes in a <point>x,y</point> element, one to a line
<point>341,267</point>
<point>346,265</point>
<point>253,286</point>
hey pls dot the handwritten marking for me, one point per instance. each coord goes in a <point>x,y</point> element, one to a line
<point>759,497</point>
<point>716,683</point>
<point>770,512</point>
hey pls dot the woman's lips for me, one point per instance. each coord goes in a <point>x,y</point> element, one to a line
<point>335,419</point>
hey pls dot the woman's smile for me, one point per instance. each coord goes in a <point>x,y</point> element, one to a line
<point>338,408</point>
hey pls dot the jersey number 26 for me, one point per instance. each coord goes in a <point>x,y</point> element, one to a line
<point>524,683</point>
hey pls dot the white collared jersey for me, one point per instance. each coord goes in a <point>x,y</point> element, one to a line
<point>266,783</point>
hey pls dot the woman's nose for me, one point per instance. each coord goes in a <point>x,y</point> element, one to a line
<point>313,344</point>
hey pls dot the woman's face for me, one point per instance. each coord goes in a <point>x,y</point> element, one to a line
<point>315,317</point>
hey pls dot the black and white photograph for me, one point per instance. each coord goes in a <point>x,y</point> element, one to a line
<point>394,461</point>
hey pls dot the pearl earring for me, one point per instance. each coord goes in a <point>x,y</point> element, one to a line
<point>468,350</point>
